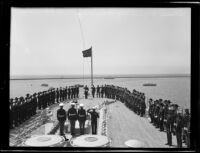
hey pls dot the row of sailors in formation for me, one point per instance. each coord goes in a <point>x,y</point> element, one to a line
<point>21,109</point>
<point>171,118</point>
<point>134,100</point>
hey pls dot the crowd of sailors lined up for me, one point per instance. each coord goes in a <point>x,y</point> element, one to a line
<point>172,119</point>
<point>134,100</point>
<point>23,108</point>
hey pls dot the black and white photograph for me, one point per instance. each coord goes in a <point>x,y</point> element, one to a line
<point>100,77</point>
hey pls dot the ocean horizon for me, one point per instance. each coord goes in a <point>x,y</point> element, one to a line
<point>96,76</point>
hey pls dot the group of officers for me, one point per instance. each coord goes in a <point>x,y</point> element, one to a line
<point>22,108</point>
<point>134,100</point>
<point>171,118</point>
<point>76,113</point>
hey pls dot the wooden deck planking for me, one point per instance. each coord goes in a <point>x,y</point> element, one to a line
<point>125,124</point>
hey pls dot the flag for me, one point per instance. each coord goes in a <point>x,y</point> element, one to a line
<point>87,53</point>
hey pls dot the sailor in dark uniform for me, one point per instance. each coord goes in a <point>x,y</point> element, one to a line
<point>179,127</point>
<point>98,91</point>
<point>86,91</point>
<point>39,101</point>
<point>94,117</point>
<point>11,113</point>
<point>61,116</point>
<point>93,91</point>
<point>167,103</point>
<point>82,118</point>
<point>29,98</point>
<point>186,128</point>
<point>77,96</point>
<point>57,95</point>
<point>143,108</point>
<point>53,96</point>
<point>17,104</point>
<point>151,105</point>
<point>106,91</point>
<point>170,120</point>
<point>69,93</point>
<point>66,92</point>
<point>102,91</point>
<point>23,107</point>
<point>15,111</point>
<point>161,117</point>
<point>34,103</point>
<point>72,92</point>
<point>72,117</point>
<point>61,94</point>
<point>175,111</point>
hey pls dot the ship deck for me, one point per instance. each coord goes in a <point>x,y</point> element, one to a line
<point>123,124</point>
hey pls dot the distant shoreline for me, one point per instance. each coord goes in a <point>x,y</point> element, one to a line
<point>102,77</point>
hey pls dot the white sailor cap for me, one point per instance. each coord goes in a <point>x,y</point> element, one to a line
<point>81,105</point>
<point>61,104</point>
<point>72,103</point>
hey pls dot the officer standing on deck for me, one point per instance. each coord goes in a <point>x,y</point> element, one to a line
<point>15,111</point>
<point>94,117</point>
<point>61,116</point>
<point>169,125</point>
<point>69,93</point>
<point>86,92</point>
<point>23,108</point>
<point>77,92</point>
<point>102,91</point>
<point>34,103</point>
<point>98,91</point>
<point>186,128</point>
<point>11,113</point>
<point>161,117</point>
<point>57,95</point>
<point>93,91</point>
<point>179,127</point>
<point>82,118</point>
<point>72,116</point>
<point>72,92</point>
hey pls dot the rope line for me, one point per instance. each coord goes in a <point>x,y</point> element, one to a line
<point>81,28</point>
<point>83,41</point>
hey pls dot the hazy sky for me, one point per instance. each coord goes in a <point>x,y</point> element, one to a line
<point>124,40</point>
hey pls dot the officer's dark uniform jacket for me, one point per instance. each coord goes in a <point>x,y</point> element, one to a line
<point>81,115</point>
<point>94,115</point>
<point>98,89</point>
<point>93,89</point>
<point>179,122</point>
<point>86,89</point>
<point>61,115</point>
<point>170,119</point>
<point>72,114</point>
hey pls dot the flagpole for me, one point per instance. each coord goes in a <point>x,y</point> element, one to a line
<point>91,68</point>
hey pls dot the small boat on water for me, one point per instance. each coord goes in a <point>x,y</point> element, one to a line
<point>109,78</point>
<point>149,84</point>
<point>44,85</point>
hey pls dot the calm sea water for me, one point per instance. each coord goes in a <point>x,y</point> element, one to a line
<point>176,89</point>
